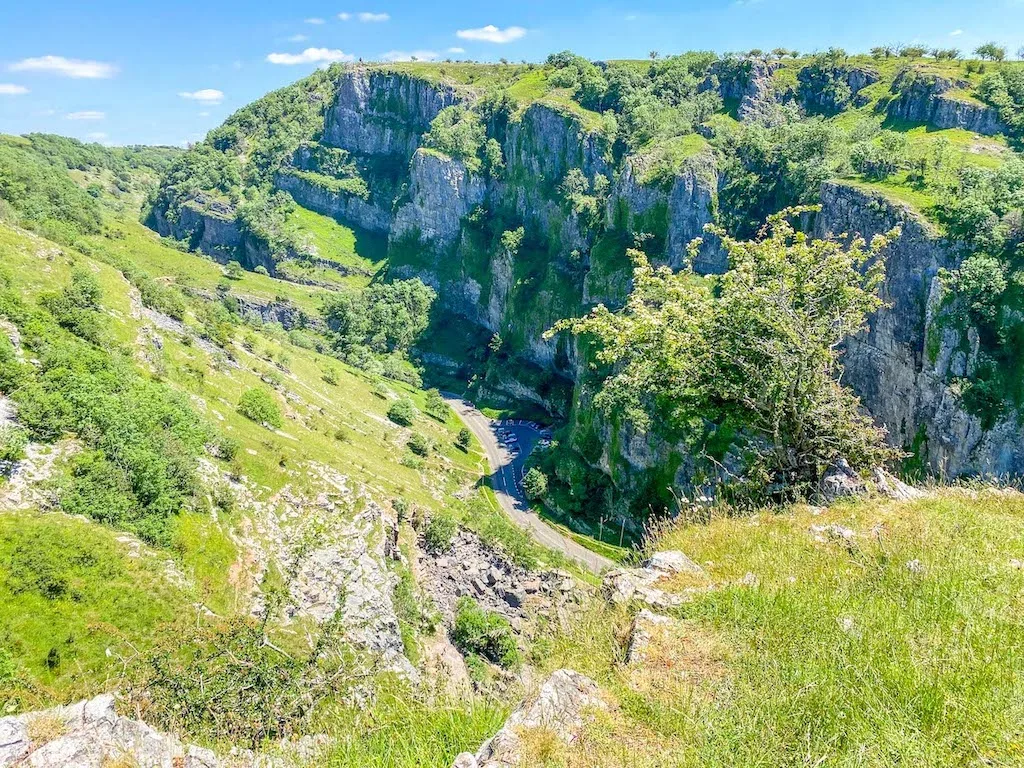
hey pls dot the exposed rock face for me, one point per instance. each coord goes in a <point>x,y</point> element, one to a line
<point>753,90</point>
<point>645,626</point>
<point>888,366</point>
<point>926,99</point>
<point>626,585</point>
<point>338,205</point>
<point>683,209</point>
<point>90,734</point>
<point>442,192</point>
<point>560,707</point>
<point>472,568</point>
<point>379,113</point>
<point>818,99</point>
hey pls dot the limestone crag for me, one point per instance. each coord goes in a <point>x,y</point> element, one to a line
<point>560,707</point>
<point>906,387</point>
<point>442,193</point>
<point>344,206</point>
<point>90,734</point>
<point>922,98</point>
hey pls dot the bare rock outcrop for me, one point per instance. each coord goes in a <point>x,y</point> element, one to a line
<point>560,707</point>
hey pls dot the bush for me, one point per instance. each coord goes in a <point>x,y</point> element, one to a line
<point>464,439</point>
<point>12,443</point>
<point>485,633</point>
<point>440,532</point>
<point>420,444</point>
<point>436,406</point>
<point>402,412</point>
<point>535,484</point>
<point>259,405</point>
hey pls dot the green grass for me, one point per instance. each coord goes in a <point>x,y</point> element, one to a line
<point>360,254</point>
<point>69,585</point>
<point>904,647</point>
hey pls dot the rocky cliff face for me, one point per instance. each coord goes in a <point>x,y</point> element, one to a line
<point>927,99</point>
<point>904,367</point>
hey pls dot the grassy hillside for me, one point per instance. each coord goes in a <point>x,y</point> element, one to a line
<point>870,633</point>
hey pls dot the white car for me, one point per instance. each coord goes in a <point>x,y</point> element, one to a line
<point>514,450</point>
<point>511,439</point>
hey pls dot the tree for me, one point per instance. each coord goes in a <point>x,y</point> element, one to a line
<point>234,271</point>
<point>402,412</point>
<point>435,405</point>
<point>464,439</point>
<point>259,405</point>
<point>535,484</point>
<point>756,357</point>
<point>991,51</point>
<point>419,444</point>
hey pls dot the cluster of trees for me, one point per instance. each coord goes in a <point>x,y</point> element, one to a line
<point>384,318</point>
<point>662,99</point>
<point>141,438</point>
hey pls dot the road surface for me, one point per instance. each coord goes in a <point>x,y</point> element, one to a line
<point>506,473</point>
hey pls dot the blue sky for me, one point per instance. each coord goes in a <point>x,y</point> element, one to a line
<point>165,73</point>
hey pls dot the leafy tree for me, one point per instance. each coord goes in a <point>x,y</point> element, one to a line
<point>464,439</point>
<point>459,133</point>
<point>402,412</point>
<point>440,531</point>
<point>420,444</point>
<point>435,405</point>
<point>991,52</point>
<point>759,354</point>
<point>260,406</point>
<point>535,484</point>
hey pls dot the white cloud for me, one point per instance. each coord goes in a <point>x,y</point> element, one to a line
<point>87,114</point>
<point>310,56</point>
<point>297,38</point>
<point>491,34</point>
<point>314,21</point>
<point>204,96</point>
<point>58,65</point>
<point>96,135</point>
<point>956,33</point>
<point>344,16</point>
<point>365,16</point>
<point>456,49</point>
<point>409,56</point>
<point>10,89</point>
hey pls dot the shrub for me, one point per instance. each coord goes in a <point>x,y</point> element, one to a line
<point>420,444</point>
<point>535,484</point>
<point>464,439</point>
<point>12,443</point>
<point>485,633</point>
<point>259,405</point>
<point>435,405</point>
<point>440,532</point>
<point>402,412</point>
<point>330,375</point>
<point>234,271</point>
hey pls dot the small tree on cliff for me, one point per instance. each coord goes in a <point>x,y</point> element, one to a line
<point>757,354</point>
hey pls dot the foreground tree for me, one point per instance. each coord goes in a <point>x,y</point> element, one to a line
<point>755,355</point>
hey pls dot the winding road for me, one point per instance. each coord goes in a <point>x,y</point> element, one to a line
<point>506,470</point>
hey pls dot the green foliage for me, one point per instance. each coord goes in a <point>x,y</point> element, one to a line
<point>759,353</point>
<point>464,439</point>
<point>459,133</point>
<point>402,412</point>
<point>772,168</point>
<point>535,484</point>
<point>43,196</point>
<point>435,405</point>
<point>484,633</point>
<point>259,405</point>
<point>386,317</point>
<point>141,438</point>
<point>439,533</point>
<point>225,680</point>
<point>420,444</point>
<point>12,443</point>
<point>991,51</point>
<point>1005,91</point>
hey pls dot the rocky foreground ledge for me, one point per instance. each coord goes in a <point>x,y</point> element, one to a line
<point>90,734</point>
